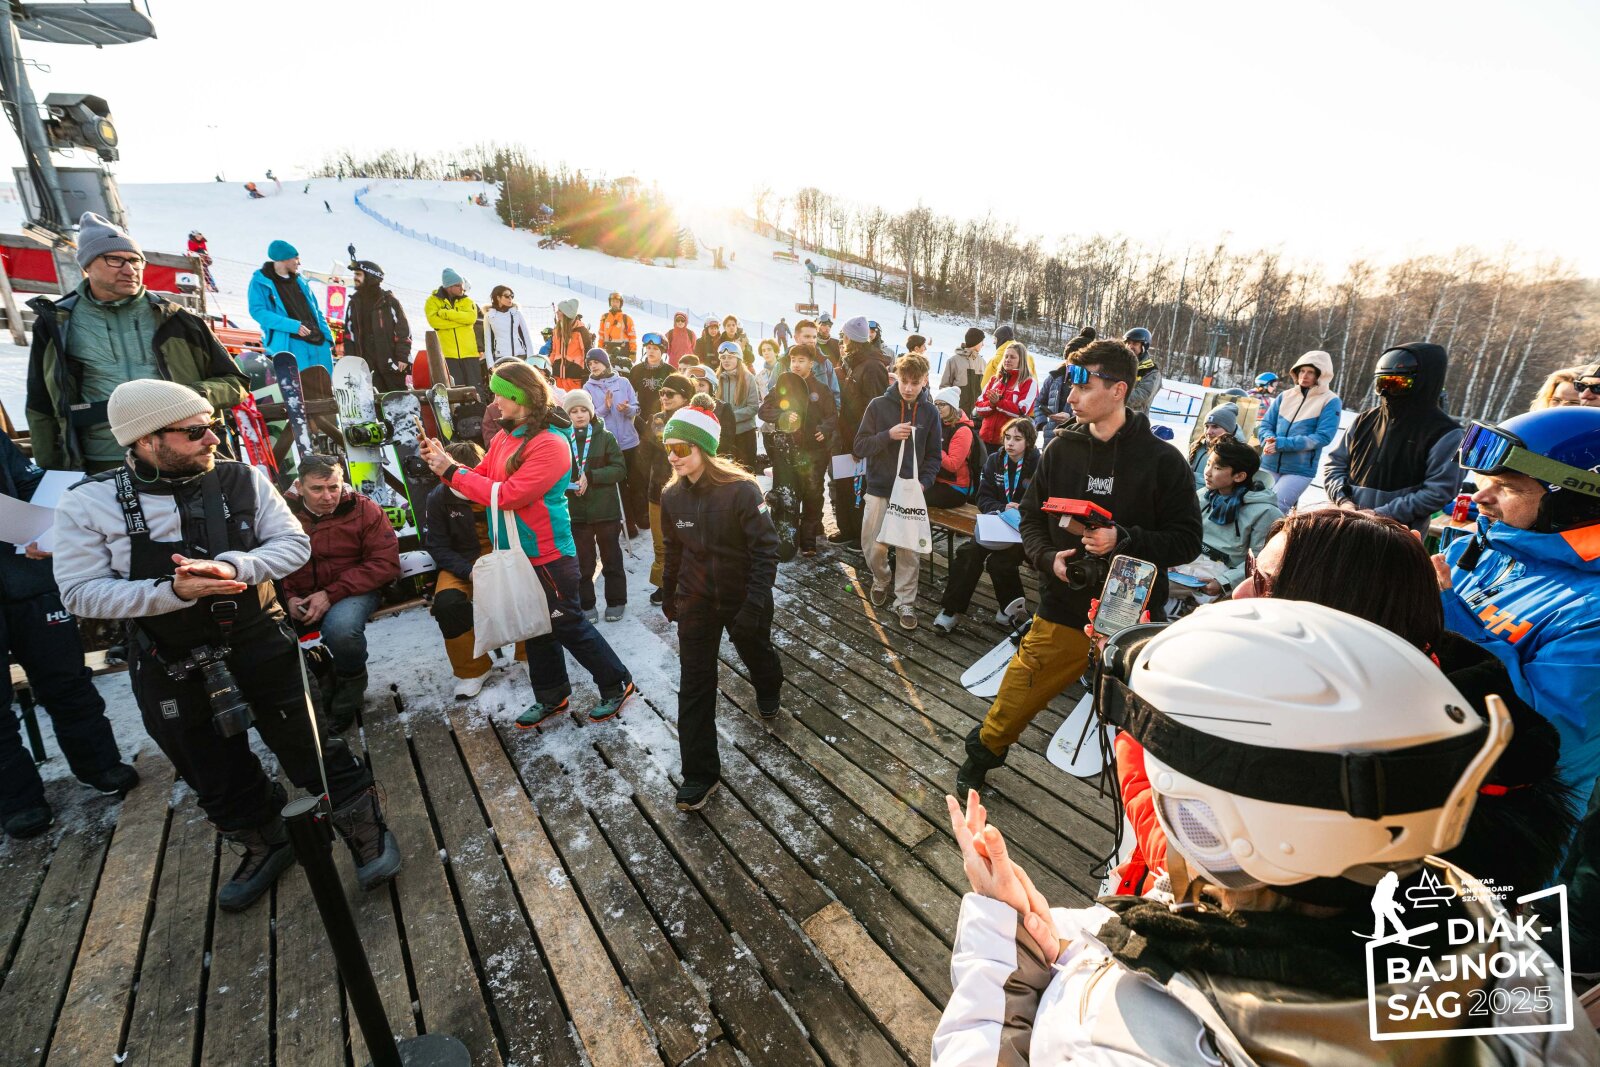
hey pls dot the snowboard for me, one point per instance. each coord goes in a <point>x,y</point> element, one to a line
<point>439,399</point>
<point>286,370</point>
<point>364,437</point>
<point>316,386</point>
<point>982,679</point>
<point>787,479</point>
<point>403,411</point>
<point>1078,746</point>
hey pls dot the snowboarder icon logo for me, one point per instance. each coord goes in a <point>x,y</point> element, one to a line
<point>1429,892</point>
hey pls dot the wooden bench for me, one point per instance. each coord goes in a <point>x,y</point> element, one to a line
<point>947,523</point>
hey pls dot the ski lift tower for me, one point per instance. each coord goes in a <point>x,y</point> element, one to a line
<point>53,196</point>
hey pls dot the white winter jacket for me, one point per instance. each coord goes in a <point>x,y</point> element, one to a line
<point>509,336</point>
<point>1009,1008</point>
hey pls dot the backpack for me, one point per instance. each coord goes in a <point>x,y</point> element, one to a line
<point>977,457</point>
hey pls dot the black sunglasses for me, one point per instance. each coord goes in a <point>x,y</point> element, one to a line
<point>195,433</point>
<point>1587,387</point>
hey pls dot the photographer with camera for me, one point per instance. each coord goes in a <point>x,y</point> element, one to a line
<point>186,549</point>
<point>1110,458</point>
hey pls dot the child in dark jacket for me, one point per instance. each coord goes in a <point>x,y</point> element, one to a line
<point>1005,478</point>
<point>902,416</point>
<point>593,500</point>
<point>456,535</point>
<point>802,410</point>
<point>722,558</point>
<point>673,393</point>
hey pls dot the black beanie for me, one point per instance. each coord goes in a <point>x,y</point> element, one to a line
<point>1002,335</point>
<point>1082,340</point>
<point>680,384</point>
<point>974,337</point>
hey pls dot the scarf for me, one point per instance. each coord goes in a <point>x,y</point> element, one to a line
<point>1223,508</point>
<point>295,303</point>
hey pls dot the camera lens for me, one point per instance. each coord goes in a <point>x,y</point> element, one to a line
<point>230,713</point>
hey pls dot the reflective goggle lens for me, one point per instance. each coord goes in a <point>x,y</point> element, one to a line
<point>1393,384</point>
<point>1485,448</point>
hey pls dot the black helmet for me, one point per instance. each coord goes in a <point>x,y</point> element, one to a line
<point>367,267</point>
<point>1138,333</point>
<point>1396,373</point>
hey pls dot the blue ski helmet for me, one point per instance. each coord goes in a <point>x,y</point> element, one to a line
<point>1557,447</point>
<point>1138,333</point>
<point>1266,378</point>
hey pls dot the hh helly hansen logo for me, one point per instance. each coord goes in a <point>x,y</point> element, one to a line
<point>1504,624</point>
<point>1102,486</point>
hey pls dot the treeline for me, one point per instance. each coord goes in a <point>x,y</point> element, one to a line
<point>619,217</point>
<point>1506,320</point>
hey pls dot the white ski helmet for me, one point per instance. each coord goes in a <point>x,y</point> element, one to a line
<point>1354,751</point>
<point>415,563</point>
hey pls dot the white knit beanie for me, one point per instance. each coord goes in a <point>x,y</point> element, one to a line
<point>145,405</point>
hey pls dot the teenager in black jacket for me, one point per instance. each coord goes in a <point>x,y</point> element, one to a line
<point>376,328</point>
<point>1109,457</point>
<point>722,558</point>
<point>1005,478</point>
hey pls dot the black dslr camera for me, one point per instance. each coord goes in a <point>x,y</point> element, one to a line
<point>230,712</point>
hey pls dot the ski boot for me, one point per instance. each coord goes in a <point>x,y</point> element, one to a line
<point>979,762</point>
<point>376,852</point>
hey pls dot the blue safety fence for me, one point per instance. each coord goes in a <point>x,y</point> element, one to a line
<point>660,308</point>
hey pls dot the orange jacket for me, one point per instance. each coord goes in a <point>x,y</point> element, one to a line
<point>1149,856</point>
<point>617,326</point>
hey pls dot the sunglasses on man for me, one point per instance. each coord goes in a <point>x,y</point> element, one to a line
<point>1077,375</point>
<point>195,433</point>
<point>1587,387</point>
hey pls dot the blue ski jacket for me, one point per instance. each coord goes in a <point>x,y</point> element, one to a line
<point>1533,600</point>
<point>279,331</point>
<point>1303,422</point>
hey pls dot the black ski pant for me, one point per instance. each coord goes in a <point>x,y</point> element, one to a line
<point>226,776</point>
<point>846,512</point>
<point>972,559</point>
<point>606,538</point>
<point>44,639</point>
<point>570,631</point>
<point>635,503</point>
<point>810,472</point>
<point>700,628</point>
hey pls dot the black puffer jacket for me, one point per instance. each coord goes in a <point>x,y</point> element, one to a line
<point>21,578</point>
<point>721,545</point>
<point>452,532</point>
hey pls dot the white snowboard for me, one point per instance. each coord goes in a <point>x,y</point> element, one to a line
<point>982,679</point>
<point>1078,745</point>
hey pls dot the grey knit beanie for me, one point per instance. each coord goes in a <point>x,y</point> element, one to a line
<point>98,235</point>
<point>145,405</point>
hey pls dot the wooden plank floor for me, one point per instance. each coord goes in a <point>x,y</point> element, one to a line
<point>555,907</point>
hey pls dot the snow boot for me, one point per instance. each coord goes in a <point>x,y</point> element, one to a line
<point>376,852</point>
<point>979,762</point>
<point>348,698</point>
<point>945,622</point>
<point>693,797</point>
<point>114,781</point>
<point>265,855</point>
<point>29,822</point>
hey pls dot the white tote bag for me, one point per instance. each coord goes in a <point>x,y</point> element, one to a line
<point>905,521</point>
<point>508,601</point>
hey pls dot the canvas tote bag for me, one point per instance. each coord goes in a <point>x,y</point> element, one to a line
<point>508,601</point>
<point>905,522</point>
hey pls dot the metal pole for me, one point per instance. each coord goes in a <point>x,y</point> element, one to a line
<point>311,835</point>
<point>35,143</point>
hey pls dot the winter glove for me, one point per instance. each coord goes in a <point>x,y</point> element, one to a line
<point>747,623</point>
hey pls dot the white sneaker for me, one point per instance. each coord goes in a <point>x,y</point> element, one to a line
<point>467,688</point>
<point>945,622</point>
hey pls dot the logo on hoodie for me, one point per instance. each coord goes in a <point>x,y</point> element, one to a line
<point>1101,486</point>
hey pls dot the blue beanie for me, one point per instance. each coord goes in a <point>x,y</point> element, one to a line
<point>281,250</point>
<point>449,278</point>
<point>598,355</point>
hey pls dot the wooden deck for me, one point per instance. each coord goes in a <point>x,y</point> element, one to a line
<point>554,906</point>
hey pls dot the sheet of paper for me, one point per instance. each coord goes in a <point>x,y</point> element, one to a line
<point>47,494</point>
<point>848,466</point>
<point>22,522</point>
<point>995,532</point>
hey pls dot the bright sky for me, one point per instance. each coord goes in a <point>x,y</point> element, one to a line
<point>1327,129</point>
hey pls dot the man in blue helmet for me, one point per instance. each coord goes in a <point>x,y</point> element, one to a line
<point>1526,588</point>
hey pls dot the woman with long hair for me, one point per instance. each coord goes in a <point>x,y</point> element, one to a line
<point>722,558</point>
<point>1559,390</point>
<point>531,459</point>
<point>1010,394</point>
<point>736,387</point>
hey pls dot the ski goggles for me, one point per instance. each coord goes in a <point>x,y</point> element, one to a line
<point>729,348</point>
<point>1393,384</point>
<point>1488,449</point>
<point>1077,375</point>
<point>500,387</point>
<point>653,339</point>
